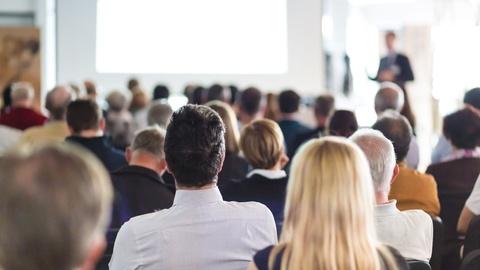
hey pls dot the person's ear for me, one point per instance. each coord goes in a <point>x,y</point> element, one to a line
<point>128,154</point>
<point>168,169</point>
<point>396,170</point>
<point>70,130</point>
<point>283,159</point>
<point>221,164</point>
<point>102,124</point>
<point>161,166</point>
<point>94,254</point>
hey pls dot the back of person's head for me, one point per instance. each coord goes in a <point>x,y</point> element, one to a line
<point>54,208</point>
<point>159,113</point>
<point>324,105</point>
<point>380,155</point>
<point>472,98</point>
<point>288,101</point>
<point>22,91</point>
<point>389,97</point>
<point>84,114</point>
<point>232,135</point>
<point>132,84</point>
<point>7,96</point>
<point>250,101</point>
<point>117,101</point>
<point>215,92</point>
<point>329,204</point>
<point>197,95</point>
<point>57,101</point>
<point>160,92</point>
<point>90,88</point>
<point>272,110</point>
<point>233,93</point>
<point>139,101</point>
<point>195,145</point>
<point>150,140</point>
<point>261,143</point>
<point>343,123</point>
<point>397,129</point>
<point>462,128</point>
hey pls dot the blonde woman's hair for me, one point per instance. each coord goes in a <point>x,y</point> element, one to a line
<point>229,118</point>
<point>261,143</point>
<point>329,210</point>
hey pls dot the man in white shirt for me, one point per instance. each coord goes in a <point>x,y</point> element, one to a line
<point>200,230</point>
<point>470,210</point>
<point>410,231</point>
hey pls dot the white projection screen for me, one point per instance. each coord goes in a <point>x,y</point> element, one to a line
<point>271,44</point>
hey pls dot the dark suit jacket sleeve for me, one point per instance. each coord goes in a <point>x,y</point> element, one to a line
<point>406,73</point>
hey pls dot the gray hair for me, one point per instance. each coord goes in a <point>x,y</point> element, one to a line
<point>150,140</point>
<point>159,114</point>
<point>390,96</point>
<point>22,91</point>
<point>380,155</point>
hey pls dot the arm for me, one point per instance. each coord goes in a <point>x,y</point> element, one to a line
<point>124,251</point>
<point>464,220</point>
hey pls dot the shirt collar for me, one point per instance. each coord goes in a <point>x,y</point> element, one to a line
<point>386,209</point>
<point>268,174</point>
<point>197,196</point>
<point>463,153</point>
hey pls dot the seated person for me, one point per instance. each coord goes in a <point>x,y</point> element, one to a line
<point>343,123</point>
<point>262,145</point>
<point>411,189</point>
<point>470,210</point>
<point>329,214</point>
<point>289,103</point>
<point>410,231</point>
<point>200,230</point>
<point>58,199</point>
<point>139,188</point>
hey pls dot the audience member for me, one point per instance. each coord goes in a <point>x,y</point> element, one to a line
<point>460,170</point>
<point>250,106</point>
<point>470,210</point>
<point>54,208</point>
<point>6,97</point>
<point>159,113</point>
<point>289,102</point>
<point>139,187</point>
<point>234,166</point>
<point>410,231</point>
<point>56,129</point>
<point>139,101</point>
<point>196,96</point>
<point>21,114</point>
<point>86,125</point>
<point>160,92</point>
<point>272,110</point>
<point>216,92</point>
<point>262,145</point>
<point>133,85</point>
<point>343,123</point>
<point>329,214</point>
<point>411,189</point>
<point>9,137</point>
<point>324,107</point>
<point>233,93</point>
<point>471,100</point>
<point>200,231</point>
<point>119,121</point>
<point>390,97</point>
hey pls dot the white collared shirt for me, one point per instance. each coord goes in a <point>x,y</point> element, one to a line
<point>200,231</point>
<point>268,173</point>
<point>410,232</point>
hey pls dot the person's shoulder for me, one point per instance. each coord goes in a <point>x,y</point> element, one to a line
<point>417,175</point>
<point>250,210</point>
<point>417,216</point>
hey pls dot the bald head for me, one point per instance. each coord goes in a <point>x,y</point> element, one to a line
<point>57,101</point>
<point>22,94</point>
<point>389,97</point>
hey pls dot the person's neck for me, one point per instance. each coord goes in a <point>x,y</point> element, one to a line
<point>25,104</point>
<point>381,197</point>
<point>207,186</point>
<point>246,119</point>
<point>90,133</point>
<point>289,116</point>
<point>145,160</point>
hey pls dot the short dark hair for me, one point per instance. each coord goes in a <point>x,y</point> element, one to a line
<point>197,95</point>
<point>343,123</point>
<point>215,92</point>
<point>250,101</point>
<point>472,97</point>
<point>195,145</point>
<point>324,105</point>
<point>288,101</point>
<point>84,114</point>
<point>160,91</point>
<point>397,129</point>
<point>462,128</point>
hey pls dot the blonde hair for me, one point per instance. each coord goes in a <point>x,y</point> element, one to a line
<point>329,210</point>
<point>53,199</point>
<point>229,118</point>
<point>262,143</point>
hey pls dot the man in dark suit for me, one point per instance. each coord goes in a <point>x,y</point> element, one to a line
<point>395,67</point>
<point>139,189</point>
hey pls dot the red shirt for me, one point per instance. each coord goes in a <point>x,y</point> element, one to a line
<point>21,118</point>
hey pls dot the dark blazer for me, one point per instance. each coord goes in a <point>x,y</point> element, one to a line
<point>459,174</point>
<point>401,69</point>
<point>303,138</point>
<point>290,129</point>
<point>138,191</point>
<point>102,148</point>
<point>234,169</point>
<point>270,192</point>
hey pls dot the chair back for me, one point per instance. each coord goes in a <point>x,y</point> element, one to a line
<point>472,237</point>
<point>471,261</point>
<point>451,205</point>
<point>107,254</point>
<point>418,265</point>
<point>437,250</point>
